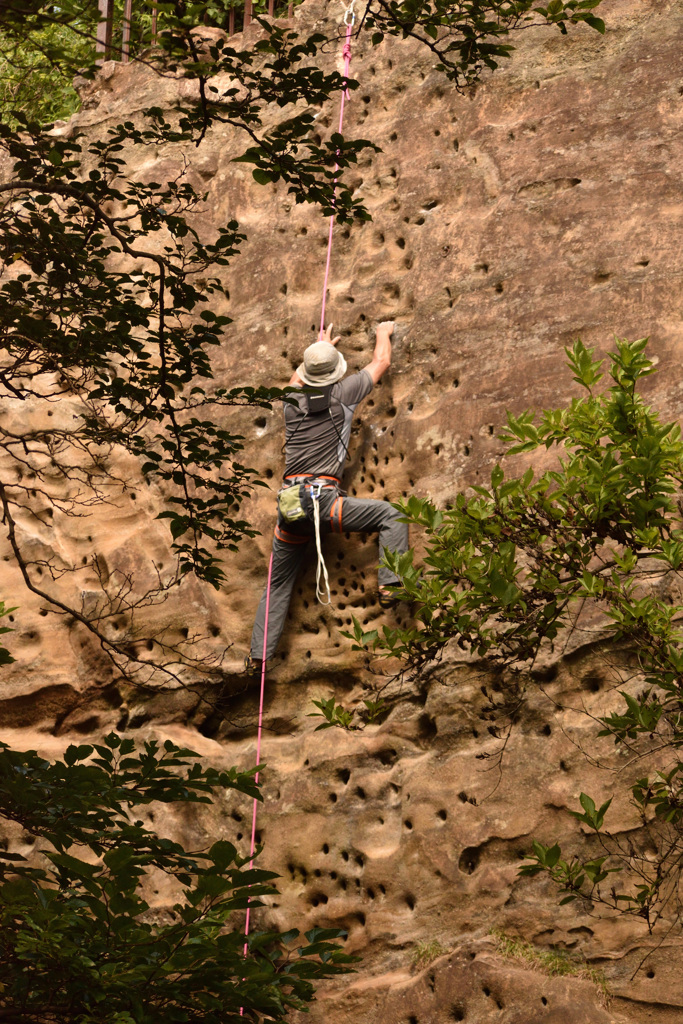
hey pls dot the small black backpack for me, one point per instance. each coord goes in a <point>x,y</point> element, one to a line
<point>320,401</point>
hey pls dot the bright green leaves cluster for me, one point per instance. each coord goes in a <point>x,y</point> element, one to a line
<point>78,935</point>
<point>577,878</point>
<point>510,567</point>
<point>505,567</point>
<point>572,877</point>
<point>334,714</point>
<point>663,792</point>
<point>37,67</point>
<point>470,37</point>
<point>565,12</point>
<point>591,815</point>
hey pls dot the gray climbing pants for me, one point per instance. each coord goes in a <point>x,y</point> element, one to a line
<point>337,515</point>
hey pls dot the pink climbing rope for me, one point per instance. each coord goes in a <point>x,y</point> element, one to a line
<point>258,749</point>
<point>345,95</point>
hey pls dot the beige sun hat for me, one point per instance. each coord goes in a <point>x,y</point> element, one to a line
<point>322,364</point>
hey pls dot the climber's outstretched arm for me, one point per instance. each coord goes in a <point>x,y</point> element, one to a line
<point>381,357</point>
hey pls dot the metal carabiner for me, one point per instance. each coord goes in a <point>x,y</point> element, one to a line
<point>350,15</point>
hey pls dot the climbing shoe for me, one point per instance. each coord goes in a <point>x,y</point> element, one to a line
<point>252,666</point>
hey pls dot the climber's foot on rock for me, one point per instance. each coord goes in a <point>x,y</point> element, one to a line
<point>252,666</point>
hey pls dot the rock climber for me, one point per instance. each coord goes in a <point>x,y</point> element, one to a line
<point>317,435</point>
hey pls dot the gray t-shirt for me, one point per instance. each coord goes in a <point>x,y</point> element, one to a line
<point>318,443</point>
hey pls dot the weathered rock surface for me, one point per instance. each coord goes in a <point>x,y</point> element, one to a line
<point>545,205</point>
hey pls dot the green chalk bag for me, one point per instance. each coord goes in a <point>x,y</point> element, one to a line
<point>290,504</point>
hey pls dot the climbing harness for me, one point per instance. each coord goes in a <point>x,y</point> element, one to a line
<point>316,487</point>
<point>289,499</point>
<point>290,504</point>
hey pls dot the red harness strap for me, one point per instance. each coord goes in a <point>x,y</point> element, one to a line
<point>290,538</point>
<point>312,476</point>
<point>337,502</point>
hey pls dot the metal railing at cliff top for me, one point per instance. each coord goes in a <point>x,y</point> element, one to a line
<point>108,47</point>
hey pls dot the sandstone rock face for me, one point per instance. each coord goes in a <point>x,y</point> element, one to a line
<point>544,205</point>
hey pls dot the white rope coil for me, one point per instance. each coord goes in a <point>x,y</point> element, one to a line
<point>321,568</point>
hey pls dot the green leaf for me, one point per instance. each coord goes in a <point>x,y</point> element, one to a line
<point>261,176</point>
<point>506,591</point>
<point>597,23</point>
<point>222,853</point>
<point>552,856</point>
<point>80,753</point>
